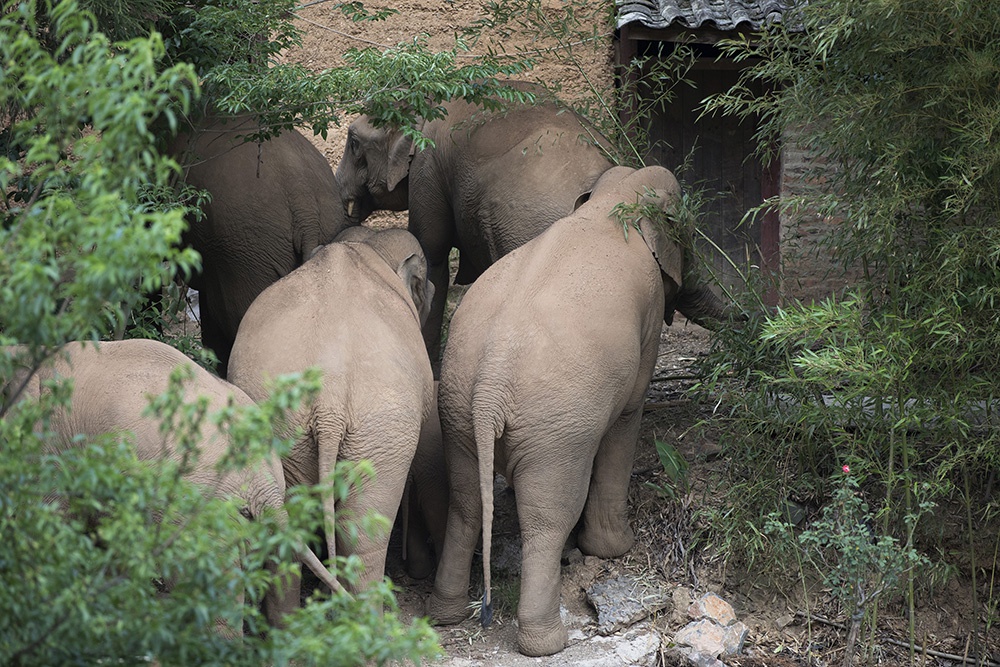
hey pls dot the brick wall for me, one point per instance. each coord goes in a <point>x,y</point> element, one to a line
<point>809,271</point>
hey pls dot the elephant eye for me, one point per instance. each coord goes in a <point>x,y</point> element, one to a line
<point>354,144</point>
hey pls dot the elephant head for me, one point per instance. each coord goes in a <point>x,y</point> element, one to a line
<point>691,297</point>
<point>401,251</point>
<point>373,173</point>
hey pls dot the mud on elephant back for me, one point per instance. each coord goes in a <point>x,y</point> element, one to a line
<point>548,390</point>
<point>493,181</point>
<point>271,204</point>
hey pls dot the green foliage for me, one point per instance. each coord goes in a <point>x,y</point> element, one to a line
<point>675,466</point>
<point>897,376</point>
<point>133,561</point>
<point>241,70</point>
<point>79,237</point>
<point>856,563</point>
<point>106,558</point>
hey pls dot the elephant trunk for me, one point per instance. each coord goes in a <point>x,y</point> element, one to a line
<point>700,305</point>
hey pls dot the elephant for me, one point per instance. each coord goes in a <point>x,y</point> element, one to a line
<point>425,500</point>
<point>111,382</point>
<point>492,181</point>
<point>355,311</point>
<point>272,203</point>
<point>543,379</point>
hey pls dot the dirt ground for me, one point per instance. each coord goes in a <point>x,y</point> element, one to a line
<point>666,556</point>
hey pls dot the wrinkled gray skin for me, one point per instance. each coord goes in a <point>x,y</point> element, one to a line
<point>112,384</point>
<point>272,203</point>
<point>425,503</point>
<point>492,182</point>
<point>547,389</point>
<point>355,311</point>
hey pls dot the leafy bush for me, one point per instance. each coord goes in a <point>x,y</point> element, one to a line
<point>92,537</point>
<point>896,377</point>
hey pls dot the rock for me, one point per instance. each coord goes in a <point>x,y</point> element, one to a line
<point>637,647</point>
<point>713,607</point>
<point>623,601</point>
<point>640,646</point>
<point>704,636</point>
<point>682,600</point>
<point>733,639</point>
<point>715,632</point>
<point>702,660</point>
<point>709,638</point>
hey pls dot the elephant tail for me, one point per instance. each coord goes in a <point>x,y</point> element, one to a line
<point>329,435</point>
<point>312,561</point>
<point>487,426</point>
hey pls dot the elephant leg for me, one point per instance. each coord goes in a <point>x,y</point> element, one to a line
<point>419,558</point>
<point>381,495</point>
<point>369,548</point>
<point>606,532</point>
<point>213,335</point>
<point>282,598</point>
<point>439,276</point>
<point>549,501</point>
<point>448,602</point>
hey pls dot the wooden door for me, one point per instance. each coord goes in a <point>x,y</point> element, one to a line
<point>719,154</point>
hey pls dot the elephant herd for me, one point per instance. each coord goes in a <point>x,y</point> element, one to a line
<point>548,355</point>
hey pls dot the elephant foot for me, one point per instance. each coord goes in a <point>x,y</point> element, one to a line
<point>420,559</point>
<point>535,642</point>
<point>605,543</point>
<point>419,567</point>
<point>447,611</point>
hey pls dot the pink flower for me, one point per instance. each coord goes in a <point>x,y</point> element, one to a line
<point>846,469</point>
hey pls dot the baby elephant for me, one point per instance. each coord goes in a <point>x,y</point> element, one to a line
<point>354,310</point>
<point>543,379</point>
<point>111,384</point>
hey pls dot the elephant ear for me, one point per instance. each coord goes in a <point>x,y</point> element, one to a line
<point>401,149</point>
<point>668,253</point>
<point>413,273</point>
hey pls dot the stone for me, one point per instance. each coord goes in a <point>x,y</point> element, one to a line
<point>682,600</point>
<point>704,636</point>
<point>712,606</point>
<point>702,660</point>
<point>709,638</point>
<point>733,637</point>
<point>623,601</point>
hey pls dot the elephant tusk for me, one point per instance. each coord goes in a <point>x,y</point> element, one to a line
<point>350,207</point>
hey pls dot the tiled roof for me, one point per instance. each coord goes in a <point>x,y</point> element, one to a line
<point>719,14</point>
